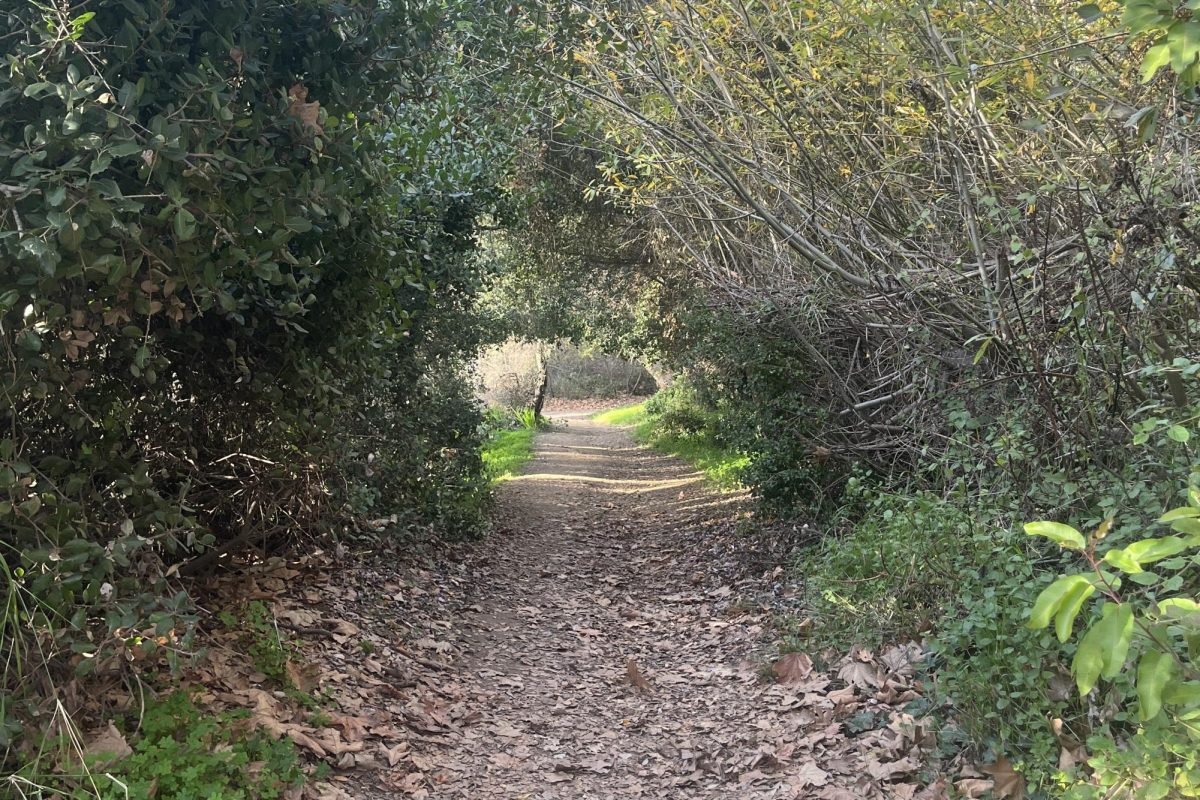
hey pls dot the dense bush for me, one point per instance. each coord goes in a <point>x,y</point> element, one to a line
<point>237,292</point>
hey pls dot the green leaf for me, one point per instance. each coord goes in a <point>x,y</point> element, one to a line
<point>184,224</point>
<point>1156,58</point>
<point>1122,561</point>
<point>1147,551</point>
<point>1183,40</point>
<point>1142,15</point>
<point>1154,671</point>
<point>1177,607</point>
<point>1187,525</point>
<point>1117,631</point>
<point>1088,662</point>
<point>1180,513</point>
<point>1089,12</point>
<point>1064,535</point>
<point>1051,598</point>
<point>1182,693</point>
<point>1103,649</point>
<point>1064,621</point>
<point>1145,122</point>
<point>1178,433</point>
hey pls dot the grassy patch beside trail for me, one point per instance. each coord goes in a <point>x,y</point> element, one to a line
<point>699,448</point>
<point>505,451</point>
<point>626,415</point>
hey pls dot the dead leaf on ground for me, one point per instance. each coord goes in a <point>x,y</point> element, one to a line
<point>107,747</point>
<point>793,668</point>
<point>305,677</point>
<point>809,775</point>
<point>973,787</point>
<point>635,676</point>
<point>1009,782</point>
<point>859,673</point>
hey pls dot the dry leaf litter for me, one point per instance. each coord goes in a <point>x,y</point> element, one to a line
<point>610,639</point>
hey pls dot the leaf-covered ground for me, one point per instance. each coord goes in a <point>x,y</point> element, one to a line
<point>611,639</point>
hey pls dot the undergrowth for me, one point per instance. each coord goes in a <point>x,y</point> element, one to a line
<point>183,753</point>
<point>509,441</point>
<point>173,749</point>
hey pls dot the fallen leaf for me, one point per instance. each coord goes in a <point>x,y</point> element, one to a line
<point>635,676</point>
<point>306,678</point>
<point>793,668</point>
<point>973,787</point>
<point>859,673</point>
<point>1009,782</point>
<point>396,754</point>
<point>107,747</point>
<point>809,775</point>
<point>882,771</point>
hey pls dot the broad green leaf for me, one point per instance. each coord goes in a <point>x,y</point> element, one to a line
<point>1187,525</point>
<point>1154,671</point>
<point>1145,122</point>
<point>1051,598</point>
<point>1184,603</point>
<point>1182,693</point>
<point>1103,649</point>
<point>1178,433</point>
<point>1064,535</point>
<point>1147,551</point>
<point>1122,561</point>
<point>1180,513</point>
<point>184,224</point>
<point>1088,662</point>
<point>1183,40</point>
<point>1156,58</point>
<point>1116,633</point>
<point>1064,621</point>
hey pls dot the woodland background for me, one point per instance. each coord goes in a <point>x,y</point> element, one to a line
<point>927,271</point>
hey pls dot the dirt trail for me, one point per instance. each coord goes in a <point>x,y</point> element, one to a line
<point>610,639</point>
<point>597,563</point>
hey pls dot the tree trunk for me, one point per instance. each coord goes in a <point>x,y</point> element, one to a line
<point>539,399</point>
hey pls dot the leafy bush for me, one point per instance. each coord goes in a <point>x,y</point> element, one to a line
<point>893,573</point>
<point>673,421</point>
<point>1142,618</point>
<point>237,289</point>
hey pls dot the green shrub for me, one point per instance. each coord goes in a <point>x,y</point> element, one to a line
<point>237,298</point>
<point>891,574</point>
<point>1146,615</point>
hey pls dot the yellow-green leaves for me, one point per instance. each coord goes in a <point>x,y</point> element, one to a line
<point>1064,535</point>
<point>1146,551</point>
<point>1103,649</point>
<point>1057,600</point>
<point>1155,671</point>
<point>1184,512</point>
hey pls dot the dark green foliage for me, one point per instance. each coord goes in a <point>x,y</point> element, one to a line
<point>237,282</point>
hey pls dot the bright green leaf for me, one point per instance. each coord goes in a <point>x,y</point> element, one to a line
<point>1051,598</point>
<point>1064,535</point>
<point>1154,671</point>
<point>1068,610</point>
